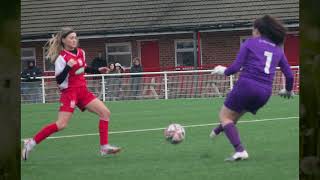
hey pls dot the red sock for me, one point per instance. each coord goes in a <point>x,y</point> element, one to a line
<point>104,131</point>
<point>45,132</point>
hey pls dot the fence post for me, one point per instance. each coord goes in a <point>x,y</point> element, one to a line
<point>103,89</point>
<point>165,85</point>
<point>231,82</point>
<point>43,91</point>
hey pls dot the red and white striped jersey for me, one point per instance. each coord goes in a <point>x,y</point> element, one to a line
<point>75,77</point>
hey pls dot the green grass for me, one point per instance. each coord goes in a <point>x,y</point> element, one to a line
<point>272,145</point>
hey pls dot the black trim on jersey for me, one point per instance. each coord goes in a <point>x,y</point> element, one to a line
<point>92,70</point>
<point>63,75</point>
<point>75,51</point>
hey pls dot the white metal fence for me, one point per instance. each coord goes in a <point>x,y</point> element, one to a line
<point>149,85</point>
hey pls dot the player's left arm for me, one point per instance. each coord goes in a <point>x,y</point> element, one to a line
<point>286,70</point>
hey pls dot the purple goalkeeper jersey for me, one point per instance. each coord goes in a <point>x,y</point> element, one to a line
<point>258,58</point>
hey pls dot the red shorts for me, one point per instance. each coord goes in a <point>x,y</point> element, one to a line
<point>72,97</point>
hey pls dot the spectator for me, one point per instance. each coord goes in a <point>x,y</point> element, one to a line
<point>94,84</point>
<point>113,83</point>
<point>119,68</point>
<point>98,62</point>
<point>30,85</point>
<point>110,82</point>
<point>117,80</point>
<point>30,73</point>
<point>136,79</point>
<point>112,69</point>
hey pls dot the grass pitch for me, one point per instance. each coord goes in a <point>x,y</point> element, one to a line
<point>271,143</point>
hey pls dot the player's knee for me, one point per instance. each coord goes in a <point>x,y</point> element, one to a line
<point>225,118</point>
<point>226,121</point>
<point>222,118</point>
<point>105,113</point>
<point>61,125</point>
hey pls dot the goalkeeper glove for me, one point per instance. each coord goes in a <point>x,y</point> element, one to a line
<point>286,94</point>
<point>219,70</point>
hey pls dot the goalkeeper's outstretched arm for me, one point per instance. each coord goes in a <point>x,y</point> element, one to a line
<point>286,70</point>
<point>237,64</point>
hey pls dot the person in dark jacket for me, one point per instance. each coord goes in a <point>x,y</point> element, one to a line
<point>31,86</point>
<point>136,79</point>
<point>136,67</point>
<point>31,73</point>
<point>98,62</point>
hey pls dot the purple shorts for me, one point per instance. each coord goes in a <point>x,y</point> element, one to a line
<point>247,96</point>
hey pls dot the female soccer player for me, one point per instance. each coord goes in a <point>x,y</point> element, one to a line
<point>70,66</point>
<point>258,57</point>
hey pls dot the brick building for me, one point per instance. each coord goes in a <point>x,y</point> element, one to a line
<point>166,34</point>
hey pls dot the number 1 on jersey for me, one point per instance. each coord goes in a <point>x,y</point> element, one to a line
<point>268,62</point>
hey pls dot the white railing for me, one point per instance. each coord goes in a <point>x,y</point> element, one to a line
<point>153,85</point>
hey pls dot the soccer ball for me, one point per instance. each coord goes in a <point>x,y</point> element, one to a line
<point>174,133</point>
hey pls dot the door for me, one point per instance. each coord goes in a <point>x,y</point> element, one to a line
<point>291,49</point>
<point>150,56</point>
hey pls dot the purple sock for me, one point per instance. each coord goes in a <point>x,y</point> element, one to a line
<point>218,129</point>
<point>232,133</point>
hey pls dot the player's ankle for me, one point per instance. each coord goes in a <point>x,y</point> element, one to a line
<point>104,146</point>
<point>32,143</point>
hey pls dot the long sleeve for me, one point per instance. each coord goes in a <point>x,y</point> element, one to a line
<point>63,75</point>
<point>61,69</point>
<point>237,64</point>
<point>285,69</point>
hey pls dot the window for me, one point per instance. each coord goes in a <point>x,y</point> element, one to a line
<point>184,52</point>
<point>27,55</point>
<point>47,65</point>
<point>119,53</point>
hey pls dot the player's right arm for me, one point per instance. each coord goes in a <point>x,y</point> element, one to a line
<point>62,68</point>
<point>237,64</point>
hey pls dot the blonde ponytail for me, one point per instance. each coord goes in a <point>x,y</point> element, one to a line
<point>55,45</point>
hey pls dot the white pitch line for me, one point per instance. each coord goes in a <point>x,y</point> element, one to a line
<point>157,129</point>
